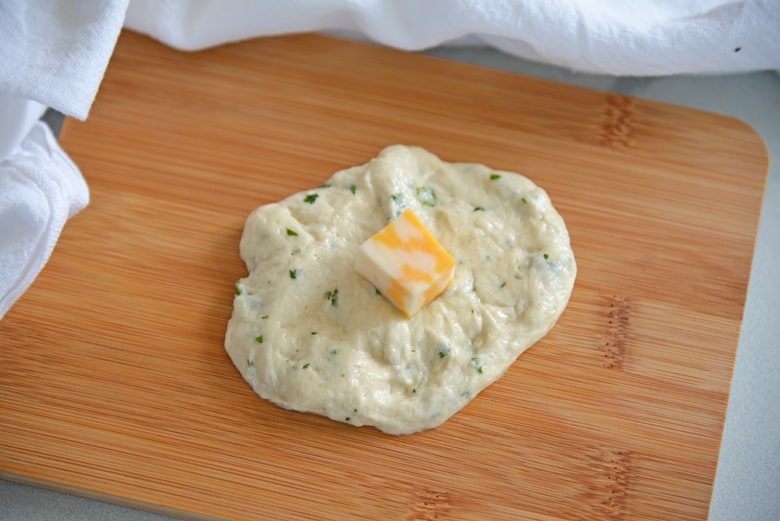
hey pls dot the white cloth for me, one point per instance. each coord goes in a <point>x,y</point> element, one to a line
<point>40,188</point>
<point>621,37</point>
<point>18,116</point>
<point>52,53</point>
<point>55,52</point>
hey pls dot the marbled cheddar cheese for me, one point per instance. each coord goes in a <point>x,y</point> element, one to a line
<point>406,263</point>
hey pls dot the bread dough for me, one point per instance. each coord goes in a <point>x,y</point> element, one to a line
<point>309,333</point>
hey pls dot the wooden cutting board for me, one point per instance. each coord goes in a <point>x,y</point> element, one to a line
<point>114,383</point>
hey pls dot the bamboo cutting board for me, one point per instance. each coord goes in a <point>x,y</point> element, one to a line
<point>114,382</point>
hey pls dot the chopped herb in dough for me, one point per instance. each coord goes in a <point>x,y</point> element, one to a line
<point>426,196</point>
<point>333,296</point>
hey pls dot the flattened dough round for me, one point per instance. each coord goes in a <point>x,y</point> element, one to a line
<point>309,333</point>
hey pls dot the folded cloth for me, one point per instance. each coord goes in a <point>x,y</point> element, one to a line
<point>40,188</point>
<point>621,37</point>
<point>52,53</point>
<point>18,116</point>
<point>56,51</point>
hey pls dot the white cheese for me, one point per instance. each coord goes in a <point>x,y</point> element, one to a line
<point>309,333</point>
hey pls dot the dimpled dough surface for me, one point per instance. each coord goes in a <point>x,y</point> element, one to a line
<point>309,333</point>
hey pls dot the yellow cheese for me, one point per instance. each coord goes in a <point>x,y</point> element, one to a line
<point>406,263</point>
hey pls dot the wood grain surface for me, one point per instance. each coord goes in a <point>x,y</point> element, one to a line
<point>114,382</point>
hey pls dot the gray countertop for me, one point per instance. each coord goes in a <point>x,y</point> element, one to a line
<point>747,484</point>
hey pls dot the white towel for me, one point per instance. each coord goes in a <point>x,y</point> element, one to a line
<point>621,37</point>
<point>40,188</point>
<point>54,53</point>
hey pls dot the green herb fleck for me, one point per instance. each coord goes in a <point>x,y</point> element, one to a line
<point>475,363</point>
<point>295,251</point>
<point>313,332</point>
<point>292,233</point>
<point>310,198</point>
<point>293,274</point>
<point>306,366</point>
<point>546,256</point>
<point>325,185</point>
<point>426,196</point>
<point>479,209</point>
<point>264,317</point>
<point>333,352</point>
<point>352,189</point>
<point>444,351</point>
<point>333,296</point>
<point>495,176</point>
<point>503,284</point>
<point>238,288</point>
<point>259,339</point>
<point>398,205</point>
<point>377,292</point>
<point>250,362</point>
<point>524,201</point>
<point>414,391</point>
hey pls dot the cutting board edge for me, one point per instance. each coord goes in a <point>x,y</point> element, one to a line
<point>61,487</point>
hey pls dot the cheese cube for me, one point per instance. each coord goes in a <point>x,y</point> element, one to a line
<point>406,263</point>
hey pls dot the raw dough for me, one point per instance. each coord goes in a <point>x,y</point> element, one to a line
<point>310,334</point>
